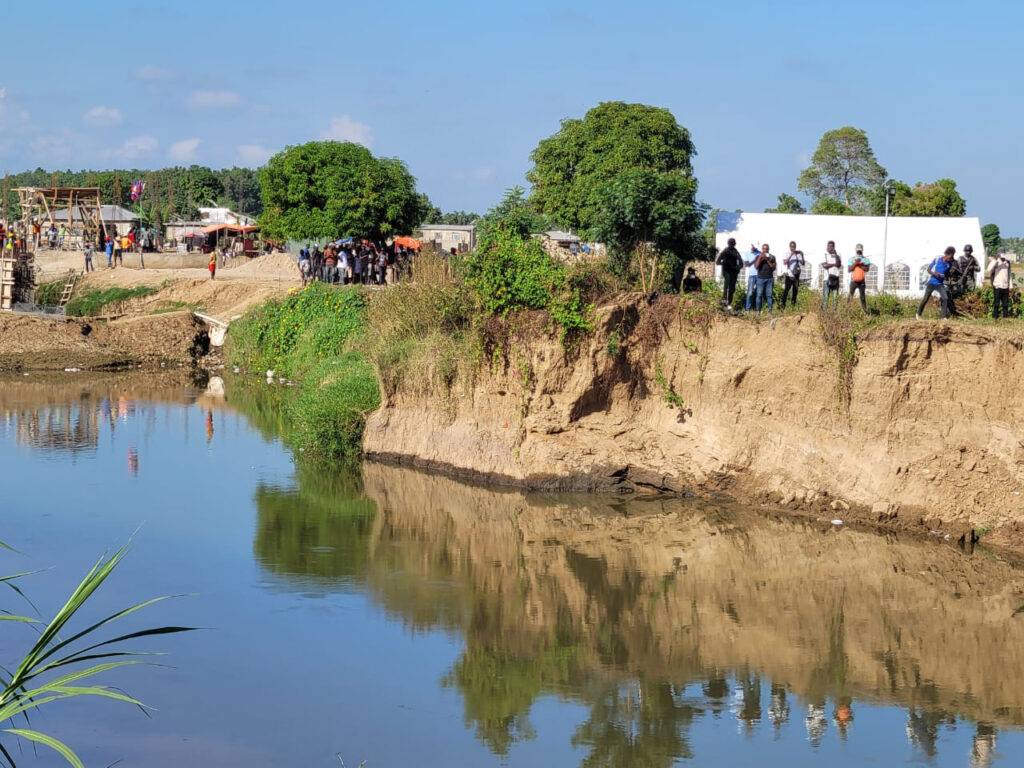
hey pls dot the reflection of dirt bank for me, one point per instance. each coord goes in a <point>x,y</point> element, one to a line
<point>672,590</point>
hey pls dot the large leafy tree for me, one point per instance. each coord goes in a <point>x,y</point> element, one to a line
<point>843,168</point>
<point>571,167</point>
<point>940,198</point>
<point>329,189</point>
<point>647,213</point>
<point>990,235</point>
<point>787,204</point>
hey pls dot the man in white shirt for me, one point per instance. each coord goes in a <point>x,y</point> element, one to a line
<point>999,274</point>
<point>750,263</point>
<point>795,264</point>
<point>831,276</point>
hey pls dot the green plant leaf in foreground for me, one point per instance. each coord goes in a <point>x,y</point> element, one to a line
<point>49,653</point>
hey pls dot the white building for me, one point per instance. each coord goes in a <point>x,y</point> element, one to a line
<point>900,247</point>
<point>210,216</point>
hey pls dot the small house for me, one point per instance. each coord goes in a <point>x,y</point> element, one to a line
<point>461,237</point>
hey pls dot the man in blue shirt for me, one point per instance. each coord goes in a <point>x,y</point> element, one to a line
<point>937,282</point>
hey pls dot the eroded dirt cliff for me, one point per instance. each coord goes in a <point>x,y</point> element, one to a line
<point>906,424</point>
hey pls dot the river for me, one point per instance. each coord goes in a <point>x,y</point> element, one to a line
<point>378,613</point>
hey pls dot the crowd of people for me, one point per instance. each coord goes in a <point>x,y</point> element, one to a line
<point>354,262</point>
<point>949,277</point>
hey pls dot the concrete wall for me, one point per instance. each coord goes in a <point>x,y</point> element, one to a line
<point>904,244</point>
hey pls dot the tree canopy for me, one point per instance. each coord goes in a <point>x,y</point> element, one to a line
<point>990,235</point>
<point>939,198</point>
<point>328,189</point>
<point>843,168</point>
<point>787,204</point>
<point>643,206</point>
<point>571,167</point>
<point>171,193</point>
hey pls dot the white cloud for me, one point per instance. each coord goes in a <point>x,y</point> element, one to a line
<point>50,148</point>
<point>132,148</point>
<point>213,99</point>
<point>344,128</point>
<point>103,116</point>
<point>154,74</point>
<point>254,154</point>
<point>3,94</point>
<point>183,151</point>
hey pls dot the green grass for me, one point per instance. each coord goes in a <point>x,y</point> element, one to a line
<point>48,294</point>
<point>310,337</point>
<point>92,302</point>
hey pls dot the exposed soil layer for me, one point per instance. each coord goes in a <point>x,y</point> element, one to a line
<point>912,426</point>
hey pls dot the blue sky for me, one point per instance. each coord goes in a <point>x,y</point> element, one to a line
<point>463,91</point>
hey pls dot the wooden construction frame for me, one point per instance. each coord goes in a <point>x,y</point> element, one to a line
<point>44,202</point>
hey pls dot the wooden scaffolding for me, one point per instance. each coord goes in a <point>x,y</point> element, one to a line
<point>83,204</point>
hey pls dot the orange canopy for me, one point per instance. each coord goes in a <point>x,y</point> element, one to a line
<point>229,227</point>
<point>408,242</point>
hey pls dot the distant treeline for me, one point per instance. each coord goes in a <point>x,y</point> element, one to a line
<point>171,193</point>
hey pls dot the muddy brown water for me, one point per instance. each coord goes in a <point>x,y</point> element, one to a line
<point>381,614</point>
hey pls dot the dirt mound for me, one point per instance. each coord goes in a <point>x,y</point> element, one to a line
<point>272,265</point>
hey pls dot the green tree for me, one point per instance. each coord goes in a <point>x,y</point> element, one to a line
<point>329,189</point>
<point>515,214</point>
<point>787,204</point>
<point>829,206</point>
<point>645,214</point>
<point>991,237</point>
<point>843,168</point>
<point>429,213</point>
<point>571,167</point>
<point>461,218</point>
<point>940,198</point>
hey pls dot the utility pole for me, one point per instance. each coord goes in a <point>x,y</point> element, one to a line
<point>117,189</point>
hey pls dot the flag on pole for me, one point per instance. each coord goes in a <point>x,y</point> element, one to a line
<point>137,189</point>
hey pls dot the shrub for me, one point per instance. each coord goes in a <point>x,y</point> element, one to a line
<point>48,294</point>
<point>888,305</point>
<point>509,274</point>
<point>330,411</point>
<point>293,334</point>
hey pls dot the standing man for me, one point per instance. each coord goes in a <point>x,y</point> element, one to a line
<point>937,282</point>
<point>831,270</point>
<point>794,266</point>
<point>765,266</point>
<point>108,246</point>
<point>750,263</point>
<point>88,258</point>
<point>731,263</point>
<point>858,268</point>
<point>969,267</point>
<point>999,274</point>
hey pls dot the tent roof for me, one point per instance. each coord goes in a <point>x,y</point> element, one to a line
<point>229,227</point>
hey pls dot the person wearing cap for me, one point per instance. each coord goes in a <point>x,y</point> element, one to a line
<point>937,272</point>
<point>1001,277</point>
<point>858,267</point>
<point>969,267</point>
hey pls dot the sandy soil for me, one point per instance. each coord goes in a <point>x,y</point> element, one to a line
<point>237,286</point>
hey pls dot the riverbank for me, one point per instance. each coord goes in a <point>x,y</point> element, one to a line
<point>906,425</point>
<point>909,425</point>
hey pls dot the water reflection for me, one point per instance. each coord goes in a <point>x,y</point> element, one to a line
<point>657,614</point>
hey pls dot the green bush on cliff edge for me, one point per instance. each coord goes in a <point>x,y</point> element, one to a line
<point>308,337</point>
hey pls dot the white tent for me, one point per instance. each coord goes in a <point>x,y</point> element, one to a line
<point>900,247</point>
